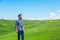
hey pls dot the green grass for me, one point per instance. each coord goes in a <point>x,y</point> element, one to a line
<point>34,30</point>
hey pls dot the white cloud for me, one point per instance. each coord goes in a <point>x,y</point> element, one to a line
<point>31,18</point>
<point>39,18</point>
<point>52,15</point>
<point>59,15</point>
<point>58,11</point>
<point>34,18</point>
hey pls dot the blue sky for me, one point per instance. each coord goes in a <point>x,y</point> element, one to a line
<point>31,9</point>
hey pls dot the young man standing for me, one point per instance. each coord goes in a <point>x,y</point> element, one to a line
<point>20,27</point>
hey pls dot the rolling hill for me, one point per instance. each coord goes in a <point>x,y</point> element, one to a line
<point>34,30</point>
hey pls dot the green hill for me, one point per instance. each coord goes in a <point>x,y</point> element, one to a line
<point>34,30</point>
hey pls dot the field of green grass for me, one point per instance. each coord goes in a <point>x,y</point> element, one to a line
<point>34,30</point>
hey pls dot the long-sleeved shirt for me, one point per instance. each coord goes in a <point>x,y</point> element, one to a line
<point>19,25</point>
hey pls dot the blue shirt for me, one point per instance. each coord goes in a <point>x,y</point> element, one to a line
<point>19,25</point>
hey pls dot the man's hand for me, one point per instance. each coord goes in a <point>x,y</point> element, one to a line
<point>16,30</point>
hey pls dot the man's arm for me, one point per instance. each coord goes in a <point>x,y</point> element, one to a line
<point>16,30</point>
<point>16,26</point>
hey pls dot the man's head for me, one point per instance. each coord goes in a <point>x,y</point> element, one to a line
<point>20,16</point>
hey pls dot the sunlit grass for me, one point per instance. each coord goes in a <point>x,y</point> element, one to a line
<point>34,30</point>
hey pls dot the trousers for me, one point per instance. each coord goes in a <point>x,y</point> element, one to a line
<point>20,33</point>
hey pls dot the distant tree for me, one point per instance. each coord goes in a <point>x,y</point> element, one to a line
<point>2,18</point>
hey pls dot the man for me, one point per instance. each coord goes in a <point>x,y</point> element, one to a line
<point>20,27</point>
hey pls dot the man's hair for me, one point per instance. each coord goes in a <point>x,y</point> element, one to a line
<point>19,15</point>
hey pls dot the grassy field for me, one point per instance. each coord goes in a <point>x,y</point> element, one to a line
<point>34,30</point>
